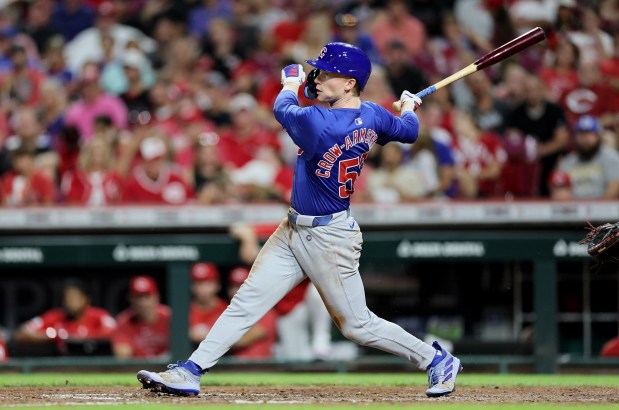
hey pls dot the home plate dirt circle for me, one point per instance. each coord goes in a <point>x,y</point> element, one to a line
<point>297,395</point>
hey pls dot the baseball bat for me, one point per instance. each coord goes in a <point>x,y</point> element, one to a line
<point>498,54</point>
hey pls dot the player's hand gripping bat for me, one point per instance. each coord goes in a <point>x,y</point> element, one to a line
<point>498,54</point>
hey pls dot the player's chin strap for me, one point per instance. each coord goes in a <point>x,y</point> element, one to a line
<point>310,85</point>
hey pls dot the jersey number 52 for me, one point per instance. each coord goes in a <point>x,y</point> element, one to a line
<point>348,176</point>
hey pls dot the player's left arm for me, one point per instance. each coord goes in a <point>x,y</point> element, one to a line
<point>403,129</point>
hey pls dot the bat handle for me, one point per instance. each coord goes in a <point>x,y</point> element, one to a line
<point>427,91</point>
<point>397,106</point>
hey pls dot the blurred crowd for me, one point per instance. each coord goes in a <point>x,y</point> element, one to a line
<point>170,102</point>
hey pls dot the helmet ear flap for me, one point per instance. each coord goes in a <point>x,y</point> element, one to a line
<point>309,90</point>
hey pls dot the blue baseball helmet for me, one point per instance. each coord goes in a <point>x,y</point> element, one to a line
<point>344,59</point>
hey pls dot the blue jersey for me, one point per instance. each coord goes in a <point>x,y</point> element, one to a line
<point>333,144</point>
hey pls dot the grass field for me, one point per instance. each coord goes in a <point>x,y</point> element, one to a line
<point>332,390</point>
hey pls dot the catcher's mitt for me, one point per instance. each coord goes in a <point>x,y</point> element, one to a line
<point>601,241</point>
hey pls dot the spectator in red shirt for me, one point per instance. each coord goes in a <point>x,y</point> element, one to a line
<point>76,320</point>
<point>238,145</point>
<point>593,96</point>
<point>154,180</point>
<point>94,182</point>
<point>288,30</point>
<point>479,158</point>
<point>206,306</point>
<point>25,184</point>
<point>264,178</point>
<point>259,340</point>
<point>561,75</point>
<point>144,327</point>
<point>609,68</point>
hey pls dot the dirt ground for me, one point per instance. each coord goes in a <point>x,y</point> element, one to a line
<point>82,396</point>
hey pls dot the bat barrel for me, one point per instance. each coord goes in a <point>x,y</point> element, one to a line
<point>508,49</point>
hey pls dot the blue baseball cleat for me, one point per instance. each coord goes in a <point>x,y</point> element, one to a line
<point>182,379</point>
<point>442,375</point>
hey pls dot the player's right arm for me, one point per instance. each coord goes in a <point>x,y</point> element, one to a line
<point>300,123</point>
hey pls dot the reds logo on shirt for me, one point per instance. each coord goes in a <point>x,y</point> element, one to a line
<point>174,193</point>
<point>581,101</point>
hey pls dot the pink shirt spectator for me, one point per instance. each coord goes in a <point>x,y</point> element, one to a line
<point>82,115</point>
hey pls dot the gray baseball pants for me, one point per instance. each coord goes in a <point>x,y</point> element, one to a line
<point>329,256</point>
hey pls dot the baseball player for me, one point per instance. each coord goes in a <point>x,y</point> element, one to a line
<point>206,305</point>
<point>144,327</point>
<point>319,238</point>
<point>76,320</point>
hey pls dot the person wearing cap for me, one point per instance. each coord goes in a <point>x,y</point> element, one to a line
<point>138,77</point>
<point>560,186</point>
<point>592,167</point>
<point>259,341</point>
<point>526,15</point>
<point>130,73</point>
<point>154,180</point>
<point>207,305</point>
<point>144,327</point>
<point>75,320</point>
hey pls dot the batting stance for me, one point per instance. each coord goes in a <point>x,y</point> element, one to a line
<point>319,238</point>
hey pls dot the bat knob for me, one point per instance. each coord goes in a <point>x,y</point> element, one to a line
<point>397,106</point>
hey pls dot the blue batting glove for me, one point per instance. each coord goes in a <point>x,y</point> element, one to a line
<point>293,74</point>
